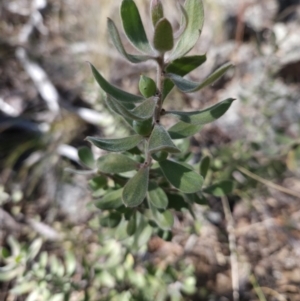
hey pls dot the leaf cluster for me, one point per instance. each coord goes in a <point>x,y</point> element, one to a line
<point>151,175</point>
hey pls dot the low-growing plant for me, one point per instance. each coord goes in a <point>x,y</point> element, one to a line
<point>148,172</point>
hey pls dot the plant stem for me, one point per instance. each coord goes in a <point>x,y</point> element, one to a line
<point>268,183</point>
<point>159,85</point>
<point>232,248</point>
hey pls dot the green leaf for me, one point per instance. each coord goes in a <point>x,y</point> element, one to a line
<point>184,22</point>
<point>204,166</point>
<point>189,38</point>
<point>142,112</point>
<point>7,274</point>
<point>116,145</point>
<point>182,130</point>
<point>177,202</point>
<point>70,261</point>
<point>220,189</point>
<point>187,86</point>
<point>143,128</point>
<point>131,226</point>
<point>116,163</point>
<point>97,182</point>
<point>157,196</point>
<point>181,66</point>
<point>86,156</point>
<point>115,92</point>
<point>196,198</point>
<point>133,26</point>
<point>157,11</point>
<point>164,220</point>
<point>115,37</point>
<point>35,248</point>
<point>111,200</point>
<point>135,189</point>
<point>163,36</point>
<point>160,156</point>
<point>181,177</point>
<point>185,65</point>
<point>111,220</point>
<point>160,140</point>
<point>147,86</point>
<point>205,116</point>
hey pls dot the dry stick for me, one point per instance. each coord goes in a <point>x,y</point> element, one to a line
<point>232,248</point>
<point>268,183</point>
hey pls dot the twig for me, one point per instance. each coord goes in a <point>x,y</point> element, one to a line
<point>268,183</point>
<point>232,248</point>
<point>257,288</point>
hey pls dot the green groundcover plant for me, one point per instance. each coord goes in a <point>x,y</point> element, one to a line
<point>145,176</point>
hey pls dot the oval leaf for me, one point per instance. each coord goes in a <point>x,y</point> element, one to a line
<point>111,200</point>
<point>220,189</point>
<point>86,156</point>
<point>160,140</point>
<point>116,163</point>
<point>135,189</point>
<point>164,220</point>
<point>147,86</point>
<point>182,130</point>
<point>115,38</point>
<point>187,86</point>
<point>163,36</point>
<point>181,177</point>
<point>157,11</point>
<point>115,92</point>
<point>111,220</point>
<point>131,226</point>
<point>133,26</point>
<point>157,196</point>
<point>205,116</point>
<point>195,14</point>
<point>116,145</point>
<point>204,166</point>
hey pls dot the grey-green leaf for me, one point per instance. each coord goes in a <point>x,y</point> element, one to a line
<point>111,200</point>
<point>184,23</point>
<point>142,112</point>
<point>157,196</point>
<point>187,86</point>
<point>115,38</point>
<point>163,36</point>
<point>188,39</point>
<point>182,130</point>
<point>160,140</point>
<point>204,166</point>
<point>86,156</point>
<point>134,27</point>
<point>116,145</point>
<point>181,177</point>
<point>115,92</point>
<point>135,189</point>
<point>205,116</point>
<point>220,189</point>
<point>157,11</point>
<point>116,163</point>
<point>181,66</point>
<point>164,220</point>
